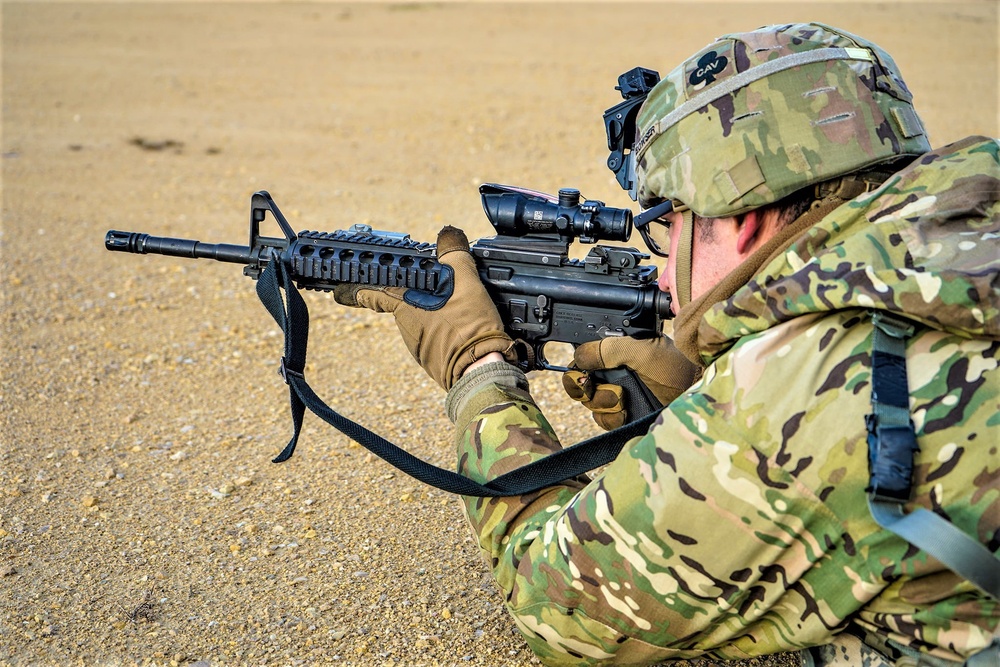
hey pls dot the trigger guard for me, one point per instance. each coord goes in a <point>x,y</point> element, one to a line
<point>539,362</point>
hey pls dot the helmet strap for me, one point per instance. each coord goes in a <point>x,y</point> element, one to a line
<point>682,263</point>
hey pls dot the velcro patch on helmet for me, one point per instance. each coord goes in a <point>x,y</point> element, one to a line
<point>708,67</point>
<point>907,121</point>
<point>797,160</point>
<point>741,179</point>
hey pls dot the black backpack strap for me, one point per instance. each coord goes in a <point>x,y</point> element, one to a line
<point>891,445</point>
<point>294,322</point>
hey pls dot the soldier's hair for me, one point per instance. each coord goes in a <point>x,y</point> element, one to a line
<point>794,205</point>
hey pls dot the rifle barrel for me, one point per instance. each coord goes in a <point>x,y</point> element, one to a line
<point>137,242</point>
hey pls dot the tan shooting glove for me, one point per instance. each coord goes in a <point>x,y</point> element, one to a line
<point>658,364</point>
<point>445,331</point>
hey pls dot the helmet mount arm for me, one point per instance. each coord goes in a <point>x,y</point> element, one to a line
<point>619,123</point>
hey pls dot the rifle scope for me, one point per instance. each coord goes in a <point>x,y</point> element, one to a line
<point>521,212</point>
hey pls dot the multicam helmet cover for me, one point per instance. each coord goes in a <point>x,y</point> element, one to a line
<point>757,116</point>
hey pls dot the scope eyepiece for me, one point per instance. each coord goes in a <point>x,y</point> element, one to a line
<point>521,212</point>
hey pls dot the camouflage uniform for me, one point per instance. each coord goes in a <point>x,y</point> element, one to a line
<point>738,525</point>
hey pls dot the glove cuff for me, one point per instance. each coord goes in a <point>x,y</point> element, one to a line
<point>497,373</point>
<point>477,348</point>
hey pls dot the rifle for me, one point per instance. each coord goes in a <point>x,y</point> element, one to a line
<point>543,295</point>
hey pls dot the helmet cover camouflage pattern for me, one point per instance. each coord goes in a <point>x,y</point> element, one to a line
<point>757,116</point>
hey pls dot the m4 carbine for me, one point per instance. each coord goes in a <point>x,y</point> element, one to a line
<point>543,295</point>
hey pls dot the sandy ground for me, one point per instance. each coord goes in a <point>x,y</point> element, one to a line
<point>140,518</point>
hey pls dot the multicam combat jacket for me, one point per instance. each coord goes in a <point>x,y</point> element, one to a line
<point>738,525</point>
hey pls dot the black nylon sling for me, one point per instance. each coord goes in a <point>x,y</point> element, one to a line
<point>293,319</point>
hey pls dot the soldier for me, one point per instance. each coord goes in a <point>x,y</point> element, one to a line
<point>813,240</point>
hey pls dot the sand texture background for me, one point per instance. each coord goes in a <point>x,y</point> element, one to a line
<point>141,521</point>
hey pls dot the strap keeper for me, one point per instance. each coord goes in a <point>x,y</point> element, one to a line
<point>285,372</point>
<point>892,326</point>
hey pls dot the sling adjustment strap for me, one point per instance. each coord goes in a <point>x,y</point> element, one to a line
<point>294,322</point>
<point>891,444</point>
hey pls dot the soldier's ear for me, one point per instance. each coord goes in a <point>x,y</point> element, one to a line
<point>750,226</point>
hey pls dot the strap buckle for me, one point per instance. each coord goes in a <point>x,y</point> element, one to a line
<point>890,460</point>
<point>285,372</point>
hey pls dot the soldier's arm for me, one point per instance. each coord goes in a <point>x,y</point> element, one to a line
<point>612,569</point>
<point>689,543</point>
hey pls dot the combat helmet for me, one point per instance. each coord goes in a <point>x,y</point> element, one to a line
<point>759,115</point>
